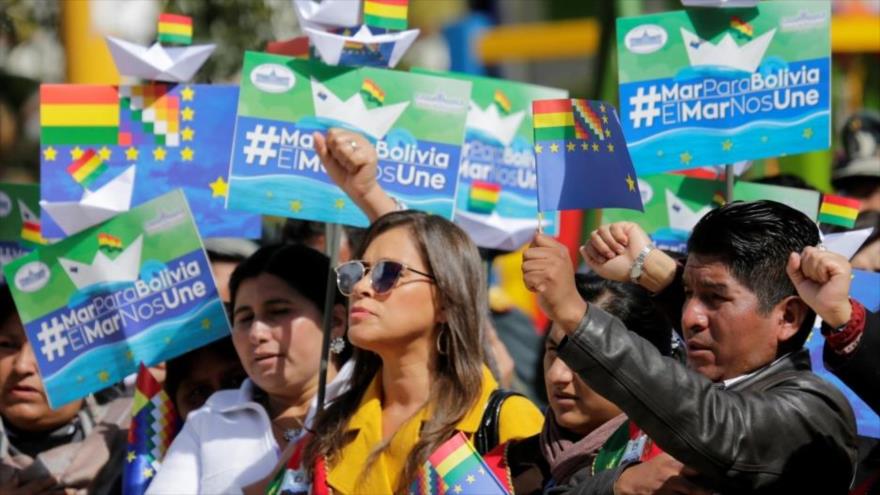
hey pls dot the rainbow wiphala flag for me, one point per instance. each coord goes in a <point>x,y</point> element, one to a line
<point>154,424</point>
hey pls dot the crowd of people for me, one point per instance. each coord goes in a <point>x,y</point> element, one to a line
<point>663,374</point>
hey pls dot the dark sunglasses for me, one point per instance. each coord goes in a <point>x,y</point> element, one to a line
<point>383,275</point>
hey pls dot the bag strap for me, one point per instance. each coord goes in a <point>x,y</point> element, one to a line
<point>487,436</point>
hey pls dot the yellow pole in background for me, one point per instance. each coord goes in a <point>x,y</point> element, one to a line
<point>88,58</point>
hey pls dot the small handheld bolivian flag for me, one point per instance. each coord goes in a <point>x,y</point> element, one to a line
<point>502,101</point>
<point>386,14</point>
<point>456,468</point>
<point>373,91</point>
<point>838,210</point>
<point>581,157</point>
<point>742,27</point>
<point>109,241</point>
<point>154,425</point>
<point>175,29</point>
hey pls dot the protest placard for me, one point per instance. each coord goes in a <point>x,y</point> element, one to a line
<point>415,121</point>
<point>137,288</point>
<point>108,148</point>
<point>717,86</point>
<point>675,203</point>
<point>582,158</point>
<point>497,200</point>
<point>19,221</point>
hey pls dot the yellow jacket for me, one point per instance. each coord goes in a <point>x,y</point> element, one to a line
<point>519,419</point>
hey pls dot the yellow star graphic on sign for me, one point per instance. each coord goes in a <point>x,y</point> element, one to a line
<point>129,355</point>
<point>538,149</point>
<point>602,107</point>
<point>186,154</point>
<point>685,158</point>
<point>296,206</point>
<point>610,147</point>
<point>131,154</point>
<point>148,472</point>
<point>585,146</point>
<point>604,119</point>
<point>206,324</point>
<point>49,154</point>
<point>726,145</point>
<point>471,479</point>
<point>607,132</point>
<point>159,153</point>
<point>630,183</point>
<point>104,376</point>
<point>187,133</point>
<point>76,153</point>
<point>104,153</point>
<point>187,93</point>
<point>131,457</point>
<point>188,113</point>
<point>570,146</point>
<point>270,194</point>
<point>219,188</point>
<point>458,489</point>
<point>595,146</point>
<point>340,203</point>
<point>808,133</point>
<point>554,148</point>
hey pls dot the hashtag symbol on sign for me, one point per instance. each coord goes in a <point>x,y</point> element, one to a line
<point>52,339</point>
<point>644,107</point>
<point>261,144</point>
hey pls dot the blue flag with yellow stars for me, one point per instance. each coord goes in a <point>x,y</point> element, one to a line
<point>581,157</point>
<point>106,149</point>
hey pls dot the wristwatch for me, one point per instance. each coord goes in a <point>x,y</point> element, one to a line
<point>635,272</point>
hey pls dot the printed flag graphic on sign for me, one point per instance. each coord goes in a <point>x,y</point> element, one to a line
<point>582,158</point>
<point>461,471</point>
<point>154,424</point>
<point>838,210</point>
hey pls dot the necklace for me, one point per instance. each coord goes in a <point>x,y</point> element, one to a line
<point>290,434</point>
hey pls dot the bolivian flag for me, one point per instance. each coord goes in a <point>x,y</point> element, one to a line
<point>483,196</point>
<point>386,14</point>
<point>79,114</point>
<point>838,210</point>
<point>175,29</point>
<point>553,119</point>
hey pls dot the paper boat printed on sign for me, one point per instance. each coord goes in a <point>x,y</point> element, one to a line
<point>95,206</point>
<point>726,53</point>
<point>157,62</point>
<point>353,112</point>
<point>491,123</point>
<point>103,270</point>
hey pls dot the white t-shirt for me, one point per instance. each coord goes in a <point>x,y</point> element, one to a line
<point>227,444</point>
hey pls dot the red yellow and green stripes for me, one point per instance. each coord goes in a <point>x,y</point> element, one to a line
<point>30,233</point>
<point>386,14</point>
<point>502,101</point>
<point>373,91</point>
<point>483,196</point>
<point>553,119</point>
<point>79,114</point>
<point>742,27</point>
<point>87,168</point>
<point>460,466</point>
<point>838,210</point>
<point>109,241</point>
<point>175,29</point>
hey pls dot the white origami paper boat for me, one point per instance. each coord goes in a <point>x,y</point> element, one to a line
<point>157,62</point>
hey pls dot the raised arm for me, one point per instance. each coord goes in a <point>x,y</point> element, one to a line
<point>352,163</point>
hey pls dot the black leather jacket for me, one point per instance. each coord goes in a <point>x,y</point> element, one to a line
<point>781,430</point>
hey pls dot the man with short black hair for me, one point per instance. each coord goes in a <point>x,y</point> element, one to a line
<point>748,416</point>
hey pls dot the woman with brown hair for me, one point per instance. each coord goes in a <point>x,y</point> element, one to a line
<point>417,312</point>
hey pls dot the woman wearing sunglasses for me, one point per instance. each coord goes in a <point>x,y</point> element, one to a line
<point>417,310</point>
<point>236,438</point>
